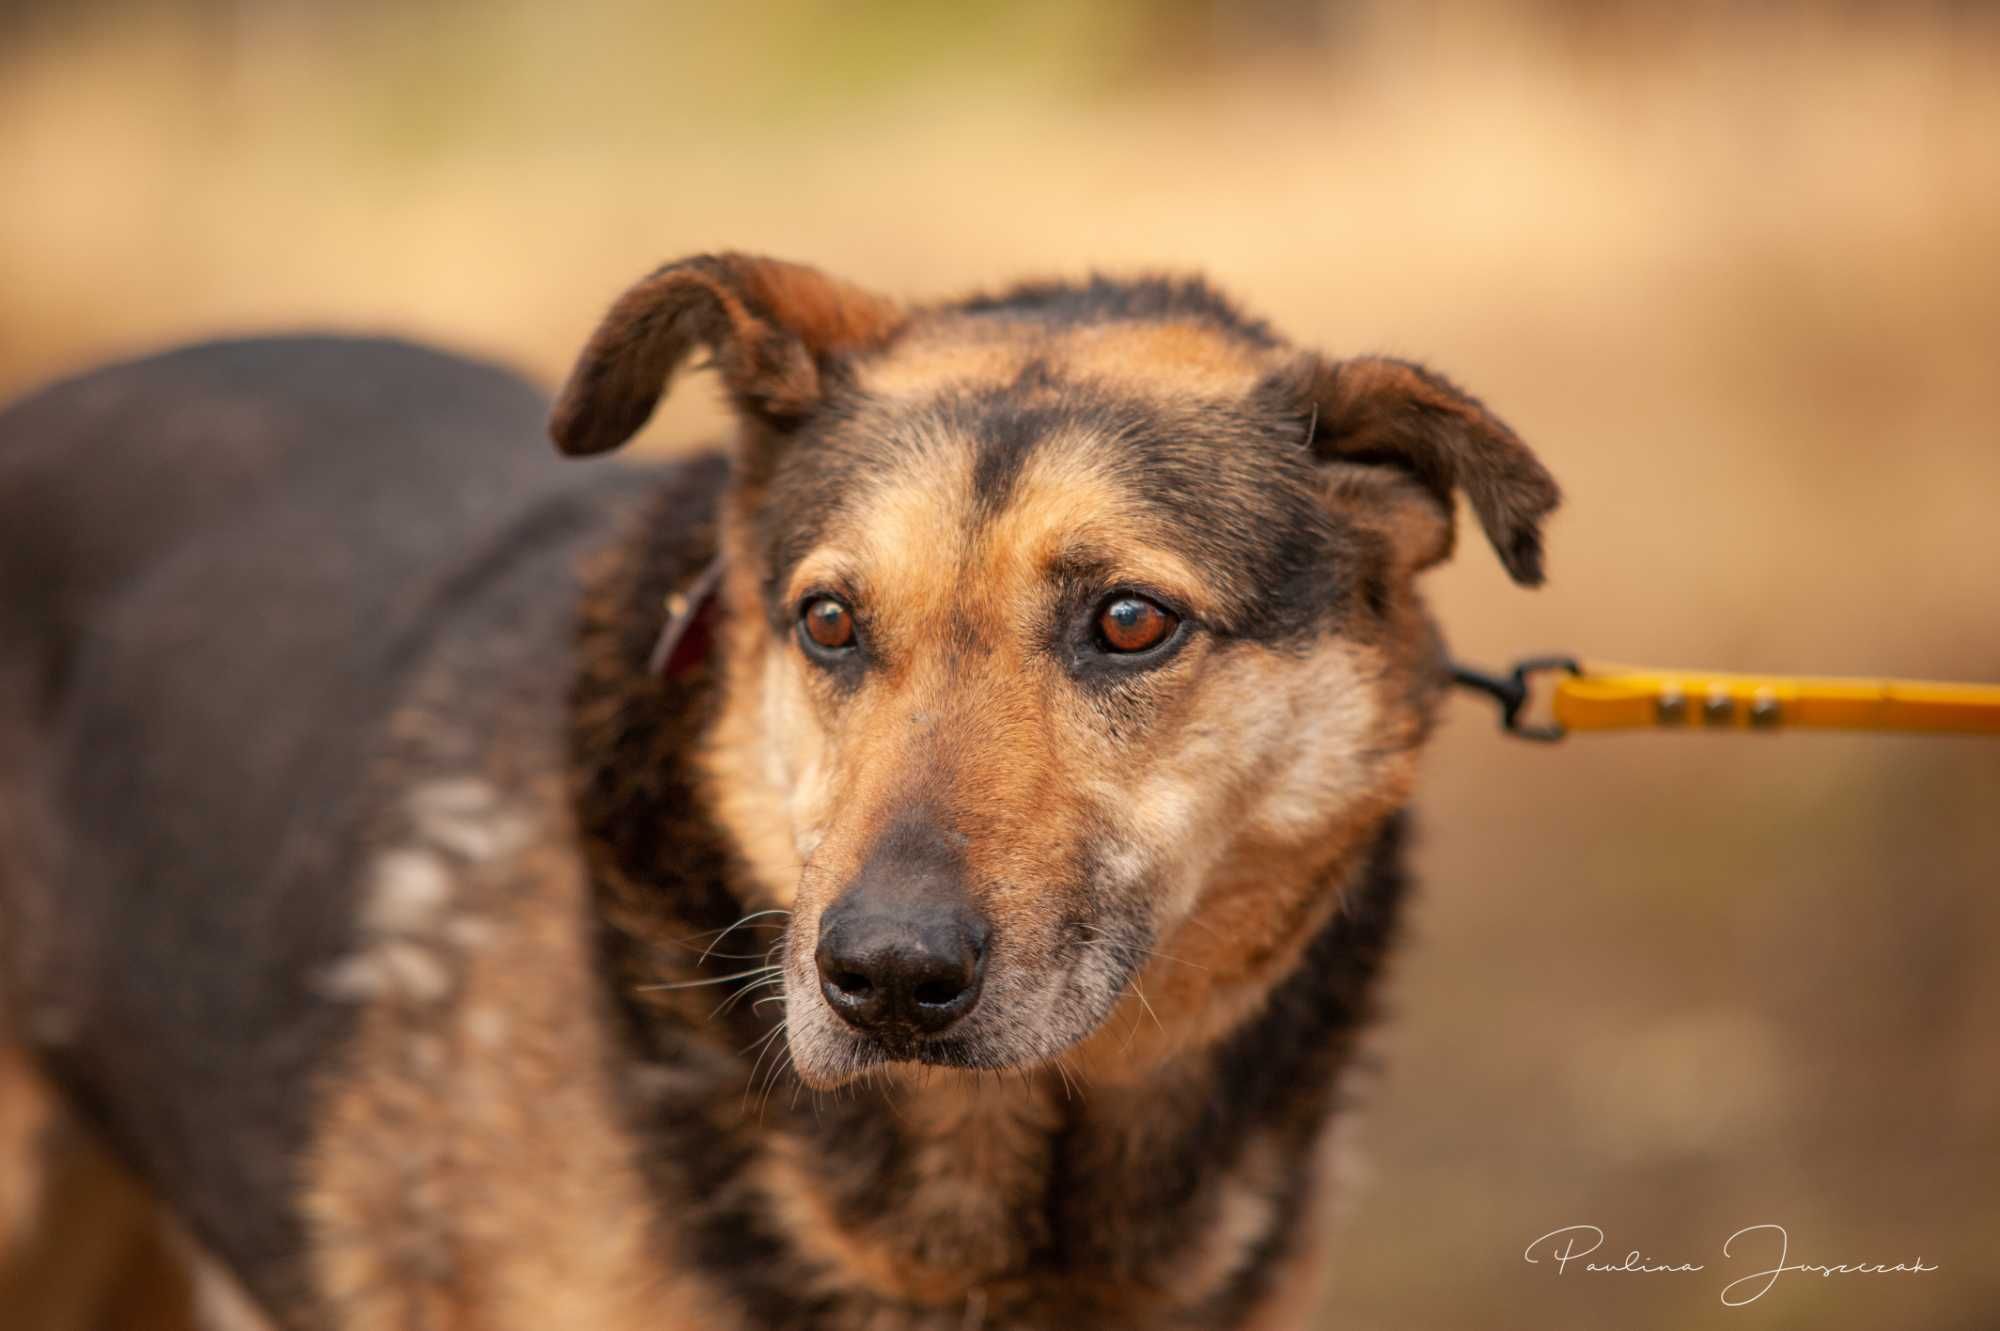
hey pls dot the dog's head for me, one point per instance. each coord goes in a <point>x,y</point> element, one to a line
<point>1070,640</point>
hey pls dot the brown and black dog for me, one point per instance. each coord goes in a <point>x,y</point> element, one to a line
<point>927,869</point>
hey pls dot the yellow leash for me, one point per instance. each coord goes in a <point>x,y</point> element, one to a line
<point>1612,697</point>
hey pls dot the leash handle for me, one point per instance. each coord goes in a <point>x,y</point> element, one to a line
<point>1612,697</point>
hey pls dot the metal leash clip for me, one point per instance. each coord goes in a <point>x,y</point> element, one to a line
<point>1511,692</point>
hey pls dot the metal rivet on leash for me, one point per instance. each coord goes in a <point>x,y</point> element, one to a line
<point>1719,709</point>
<point>1672,708</point>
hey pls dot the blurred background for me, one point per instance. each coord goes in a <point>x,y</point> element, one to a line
<point>1734,269</point>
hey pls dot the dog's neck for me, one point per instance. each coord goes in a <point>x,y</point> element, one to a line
<point>1164,1199</point>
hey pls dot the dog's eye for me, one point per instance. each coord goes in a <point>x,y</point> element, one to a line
<point>1134,624</point>
<point>828,625</point>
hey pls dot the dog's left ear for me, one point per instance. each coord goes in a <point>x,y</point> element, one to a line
<point>1374,410</point>
<point>774,329</point>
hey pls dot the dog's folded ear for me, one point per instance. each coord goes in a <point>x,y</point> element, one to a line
<point>775,329</point>
<point>1374,410</point>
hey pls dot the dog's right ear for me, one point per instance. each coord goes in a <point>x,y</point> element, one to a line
<point>1374,412</point>
<point>773,328</point>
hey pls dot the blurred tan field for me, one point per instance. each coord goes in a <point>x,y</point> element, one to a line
<point>1733,270</point>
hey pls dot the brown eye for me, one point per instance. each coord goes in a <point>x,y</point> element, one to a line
<point>828,623</point>
<point>1133,624</point>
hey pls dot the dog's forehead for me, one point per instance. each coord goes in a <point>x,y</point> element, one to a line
<point>992,453</point>
<point>1013,437</point>
<point>921,500</point>
<point>943,524</point>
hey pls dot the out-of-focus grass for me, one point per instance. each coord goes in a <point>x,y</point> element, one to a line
<point>1735,273</point>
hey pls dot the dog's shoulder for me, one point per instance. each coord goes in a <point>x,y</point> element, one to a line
<point>472,1145</point>
<point>298,740</point>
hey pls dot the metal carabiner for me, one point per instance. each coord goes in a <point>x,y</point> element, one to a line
<point>1511,692</point>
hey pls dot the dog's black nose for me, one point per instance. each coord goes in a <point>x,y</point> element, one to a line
<point>901,967</point>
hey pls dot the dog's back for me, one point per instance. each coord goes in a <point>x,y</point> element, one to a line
<point>219,565</point>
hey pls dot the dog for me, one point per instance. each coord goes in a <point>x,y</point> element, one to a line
<point>925,866</point>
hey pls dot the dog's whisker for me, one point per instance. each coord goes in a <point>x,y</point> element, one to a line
<point>1069,1071</point>
<point>1178,961</point>
<point>760,1088</point>
<point>720,979</point>
<point>1131,1033</point>
<point>1105,938</point>
<point>718,956</point>
<point>716,934</point>
<point>779,1067</point>
<point>761,1040</point>
<point>753,915</point>
<point>763,1046</point>
<point>1140,993</point>
<point>745,991</point>
<point>1204,926</point>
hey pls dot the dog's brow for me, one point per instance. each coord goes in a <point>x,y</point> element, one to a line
<point>827,569</point>
<point>1089,565</point>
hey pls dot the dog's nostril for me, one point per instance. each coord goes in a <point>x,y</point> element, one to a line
<point>852,983</point>
<point>937,993</point>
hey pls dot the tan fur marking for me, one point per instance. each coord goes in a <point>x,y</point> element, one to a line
<point>1245,1216</point>
<point>1178,357</point>
<point>472,1172</point>
<point>953,355</point>
<point>748,775</point>
<point>1065,498</point>
<point>220,1302</point>
<point>1300,1286</point>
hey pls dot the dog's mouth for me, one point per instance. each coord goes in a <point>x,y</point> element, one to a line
<point>1026,1017</point>
<point>870,1051</point>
